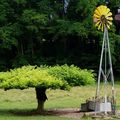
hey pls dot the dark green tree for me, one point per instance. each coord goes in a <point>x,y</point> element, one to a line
<point>40,32</point>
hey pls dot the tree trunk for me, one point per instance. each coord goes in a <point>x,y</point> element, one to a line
<point>41,98</point>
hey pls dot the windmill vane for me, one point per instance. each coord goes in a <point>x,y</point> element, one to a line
<point>102,17</point>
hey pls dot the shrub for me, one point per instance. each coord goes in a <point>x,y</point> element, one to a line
<point>29,76</point>
<point>73,75</point>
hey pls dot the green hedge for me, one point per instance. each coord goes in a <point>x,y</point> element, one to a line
<point>61,77</point>
<point>73,75</point>
<point>29,76</point>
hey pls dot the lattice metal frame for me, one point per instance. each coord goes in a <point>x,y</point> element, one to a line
<point>106,71</point>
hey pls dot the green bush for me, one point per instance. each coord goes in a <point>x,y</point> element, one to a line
<point>44,76</point>
<point>29,76</point>
<point>73,75</point>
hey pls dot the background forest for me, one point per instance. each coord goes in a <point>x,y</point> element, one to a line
<point>39,32</point>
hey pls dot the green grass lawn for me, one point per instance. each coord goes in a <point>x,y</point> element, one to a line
<point>13,103</point>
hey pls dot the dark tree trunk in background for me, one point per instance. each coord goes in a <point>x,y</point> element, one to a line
<point>41,98</point>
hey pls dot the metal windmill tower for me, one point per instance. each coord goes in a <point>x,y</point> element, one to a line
<point>106,71</point>
<point>103,102</point>
<point>103,18</point>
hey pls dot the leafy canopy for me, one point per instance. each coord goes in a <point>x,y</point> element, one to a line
<point>61,77</point>
<point>29,76</point>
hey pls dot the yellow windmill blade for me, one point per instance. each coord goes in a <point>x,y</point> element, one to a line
<point>102,27</point>
<point>99,8</point>
<point>97,12</point>
<point>96,16</point>
<point>99,26</point>
<point>109,22</point>
<point>102,17</point>
<point>109,18</point>
<point>103,9</point>
<point>108,14</point>
<point>108,10</point>
<point>108,26</point>
<point>97,23</point>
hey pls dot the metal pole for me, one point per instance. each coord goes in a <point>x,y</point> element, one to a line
<point>110,62</point>
<point>105,74</point>
<point>112,76</point>
<point>100,68</point>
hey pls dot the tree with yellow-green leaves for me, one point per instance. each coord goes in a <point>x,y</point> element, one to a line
<point>43,78</point>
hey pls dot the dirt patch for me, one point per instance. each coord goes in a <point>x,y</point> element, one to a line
<point>77,114</point>
<point>74,113</point>
<point>68,112</point>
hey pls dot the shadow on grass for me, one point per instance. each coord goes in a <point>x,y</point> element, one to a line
<point>19,112</point>
<point>33,112</point>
